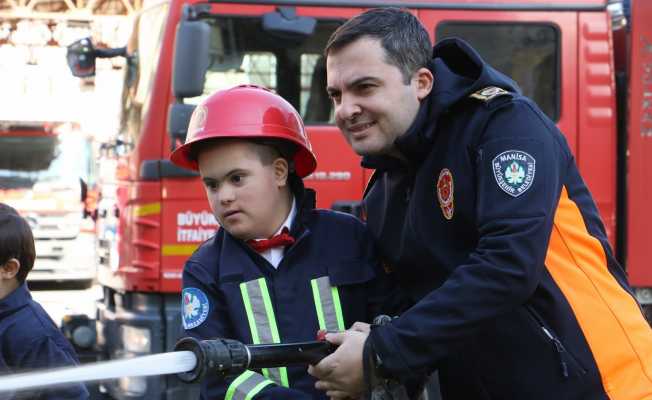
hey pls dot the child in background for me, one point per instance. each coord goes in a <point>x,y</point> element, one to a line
<point>29,339</point>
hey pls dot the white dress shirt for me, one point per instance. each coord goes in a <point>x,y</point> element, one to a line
<point>275,254</point>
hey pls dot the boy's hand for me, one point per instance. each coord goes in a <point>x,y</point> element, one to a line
<point>340,374</point>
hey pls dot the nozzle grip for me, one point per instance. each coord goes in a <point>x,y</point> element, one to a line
<point>282,355</point>
<point>224,357</point>
<point>219,356</point>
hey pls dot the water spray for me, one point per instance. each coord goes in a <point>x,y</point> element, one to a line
<point>191,360</point>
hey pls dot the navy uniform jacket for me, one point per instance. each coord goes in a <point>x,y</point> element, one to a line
<point>497,238</point>
<point>328,244</point>
<point>30,340</point>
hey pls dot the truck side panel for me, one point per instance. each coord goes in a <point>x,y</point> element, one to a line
<point>596,150</point>
<point>639,177</point>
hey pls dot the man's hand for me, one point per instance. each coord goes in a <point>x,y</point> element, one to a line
<point>340,374</point>
<point>361,327</point>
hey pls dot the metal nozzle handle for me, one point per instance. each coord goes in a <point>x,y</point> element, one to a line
<point>229,357</point>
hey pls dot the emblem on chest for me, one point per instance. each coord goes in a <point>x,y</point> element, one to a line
<point>445,193</point>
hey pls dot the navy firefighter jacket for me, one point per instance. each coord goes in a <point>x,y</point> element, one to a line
<point>29,340</point>
<point>496,236</point>
<point>328,279</point>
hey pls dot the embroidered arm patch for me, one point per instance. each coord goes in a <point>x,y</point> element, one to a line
<point>194,306</point>
<point>514,171</point>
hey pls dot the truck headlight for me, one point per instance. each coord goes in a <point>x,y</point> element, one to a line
<point>136,340</point>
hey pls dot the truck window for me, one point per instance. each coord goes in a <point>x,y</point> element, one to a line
<point>242,53</point>
<point>67,158</point>
<point>527,52</point>
<point>144,47</point>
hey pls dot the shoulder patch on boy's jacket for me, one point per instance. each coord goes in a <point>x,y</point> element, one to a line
<point>194,306</point>
<point>489,93</point>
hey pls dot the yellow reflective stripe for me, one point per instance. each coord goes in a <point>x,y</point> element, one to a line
<point>178,249</point>
<point>246,386</point>
<point>327,304</point>
<point>317,298</point>
<point>236,383</point>
<point>335,293</point>
<point>146,209</point>
<point>250,313</point>
<point>257,389</point>
<point>269,310</point>
<point>262,322</point>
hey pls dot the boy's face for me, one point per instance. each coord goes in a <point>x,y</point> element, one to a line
<point>245,195</point>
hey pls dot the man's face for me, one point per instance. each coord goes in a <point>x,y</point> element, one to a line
<point>245,195</point>
<point>373,104</point>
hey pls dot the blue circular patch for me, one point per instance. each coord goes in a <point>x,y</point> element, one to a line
<point>194,307</point>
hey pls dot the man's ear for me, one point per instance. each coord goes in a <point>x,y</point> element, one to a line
<point>10,269</point>
<point>281,171</point>
<point>424,81</point>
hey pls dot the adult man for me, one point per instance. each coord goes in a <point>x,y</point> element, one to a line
<point>479,208</point>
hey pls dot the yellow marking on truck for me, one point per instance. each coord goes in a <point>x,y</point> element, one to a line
<point>147,209</point>
<point>178,249</point>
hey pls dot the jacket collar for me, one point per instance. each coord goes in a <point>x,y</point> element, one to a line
<point>16,299</point>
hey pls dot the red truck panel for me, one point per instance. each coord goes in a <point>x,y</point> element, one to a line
<point>639,178</point>
<point>186,222</point>
<point>596,149</point>
<point>138,237</point>
<point>338,176</point>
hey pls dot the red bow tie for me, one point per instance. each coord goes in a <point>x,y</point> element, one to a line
<point>282,239</point>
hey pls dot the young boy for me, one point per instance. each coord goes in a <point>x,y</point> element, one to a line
<point>29,339</point>
<point>277,270</point>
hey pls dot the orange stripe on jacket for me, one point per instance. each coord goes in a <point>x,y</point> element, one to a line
<point>616,331</point>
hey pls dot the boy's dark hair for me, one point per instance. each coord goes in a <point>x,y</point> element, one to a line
<point>268,150</point>
<point>404,39</point>
<point>16,241</point>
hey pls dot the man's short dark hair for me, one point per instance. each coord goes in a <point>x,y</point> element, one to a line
<point>404,39</point>
<point>16,241</point>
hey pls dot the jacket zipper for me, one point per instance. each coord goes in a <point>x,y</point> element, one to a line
<point>561,351</point>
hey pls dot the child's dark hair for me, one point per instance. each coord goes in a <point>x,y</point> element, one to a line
<point>16,241</point>
<point>268,150</point>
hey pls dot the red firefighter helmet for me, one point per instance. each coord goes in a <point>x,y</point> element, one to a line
<point>247,112</point>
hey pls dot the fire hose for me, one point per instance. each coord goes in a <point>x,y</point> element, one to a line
<point>191,360</point>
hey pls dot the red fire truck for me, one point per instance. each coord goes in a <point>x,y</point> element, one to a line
<point>587,63</point>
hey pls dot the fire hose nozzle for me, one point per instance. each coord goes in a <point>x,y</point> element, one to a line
<point>219,356</point>
<point>224,357</point>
